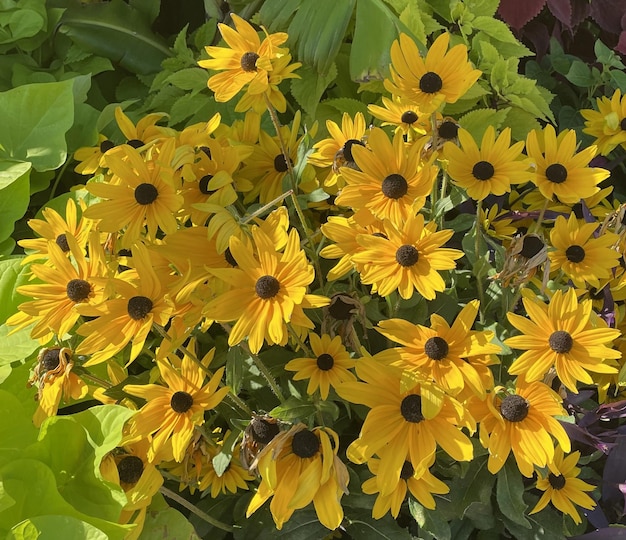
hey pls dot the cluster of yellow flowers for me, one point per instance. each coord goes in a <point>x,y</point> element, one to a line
<point>168,249</point>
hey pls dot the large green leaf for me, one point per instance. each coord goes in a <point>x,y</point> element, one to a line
<point>14,192</point>
<point>116,31</point>
<point>20,20</point>
<point>170,524</point>
<point>16,429</point>
<point>509,492</point>
<point>12,275</point>
<point>55,527</point>
<point>17,346</point>
<point>35,118</point>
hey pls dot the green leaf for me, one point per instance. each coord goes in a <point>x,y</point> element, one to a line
<point>293,409</point>
<point>310,87</point>
<point>411,16</point>
<point>118,32</point>
<point>17,346</point>
<point>189,79</point>
<point>35,120</point>
<point>606,56</point>
<point>476,121</point>
<point>55,527</point>
<point>494,28</point>
<point>318,29</point>
<point>223,459</point>
<point>14,193</point>
<point>362,525</point>
<point>580,74</point>
<point>521,123</point>
<point>12,275</point>
<point>235,364</point>
<point>509,493</point>
<point>474,488</point>
<point>168,524</point>
<point>275,14</point>
<point>16,429</point>
<point>369,54</point>
<point>430,520</point>
<point>348,105</point>
<point>21,20</point>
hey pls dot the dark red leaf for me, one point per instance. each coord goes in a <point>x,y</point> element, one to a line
<point>562,10</point>
<point>516,14</point>
<point>621,44</point>
<point>537,33</point>
<point>608,14</point>
<point>608,533</point>
<point>580,11</point>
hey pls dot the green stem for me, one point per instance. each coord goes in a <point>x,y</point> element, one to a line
<point>195,510</point>
<point>58,179</point>
<point>300,343</point>
<point>477,248</point>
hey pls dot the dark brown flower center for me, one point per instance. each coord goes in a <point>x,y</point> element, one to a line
<point>305,444</point>
<point>135,143</point>
<point>575,254</point>
<point>61,241</point>
<point>146,194</point>
<point>267,287</point>
<point>407,255</point>
<point>556,173</point>
<point>130,469</point>
<point>280,163</point>
<point>561,341</point>
<point>514,408</point>
<point>430,83</point>
<point>263,431</point>
<point>50,359</point>
<point>531,245</point>
<point>248,61</point>
<point>557,481</point>
<point>106,145</point>
<point>622,124</point>
<point>228,256</point>
<point>347,148</point>
<point>395,186</point>
<point>78,290</point>
<point>483,170</point>
<point>325,362</point>
<point>411,409</point>
<point>203,184</point>
<point>448,130</point>
<point>138,307</point>
<point>436,348</point>
<point>407,470</point>
<point>181,402</point>
<point>340,310</point>
<point>206,150</point>
<point>409,117</point>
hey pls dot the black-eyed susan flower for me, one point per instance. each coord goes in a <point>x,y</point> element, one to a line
<point>172,411</point>
<point>562,487</point>
<point>91,158</point>
<point>582,257</point>
<point>407,258</point>
<point>490,169</point>
<point>442,77</point>
<point>65,283</point>
<point>128,317</point>
<point>421,487</point>
<point>441,353</point>
<point>299,467</point>
<point>267,291</point>
<point>403,425</point>
<point>245,62</point>
<point>562,335</point>
<point>608,123</point>
<point>523,422</point>
<point>561,171</point>
<point>54,227</point>
<point>329,367</point>
<point>497,223</point>
<point>336,151</point>
<point>142,193</point>
<point>140,134</point>
<point>55,381</point>
<point>404,115</point>
<point>344,231</point>
<point>392,181</point>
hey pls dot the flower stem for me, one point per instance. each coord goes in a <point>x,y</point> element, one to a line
<point>195,510</point>
<point>477,248</point>
<point>300,343</point>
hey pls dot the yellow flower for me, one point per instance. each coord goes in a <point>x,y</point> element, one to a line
<point>246,60</point>
<point>329,368</point>
<point>266,293</point>
<point>489,170</point>
<point>563,488</point>
<point>441,353</point>
<point>559,169</point>
<point>608,123</point>
<point>561,335</point>
<point>442,77</point>
<point>582,257</point>
<point>172,411</point>
<point>403,114</point>
<point>523,422</point>
<point>299,467</point>
<point>392,182</point>
<point>91,158</point>
<point>407,259</point>
<point>496,223</point>
<point>403,425</point>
